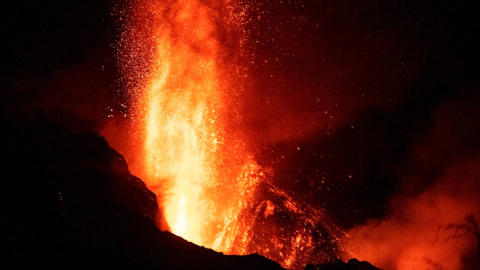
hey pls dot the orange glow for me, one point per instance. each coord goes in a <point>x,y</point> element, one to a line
<point>203,176</point>
<point>211,97</point>
<point>435,230</point>
<point>186,85</point>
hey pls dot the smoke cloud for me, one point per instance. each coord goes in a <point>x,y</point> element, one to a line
<point>433,220</point>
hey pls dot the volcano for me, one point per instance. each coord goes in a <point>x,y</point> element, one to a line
<point>240,134</point>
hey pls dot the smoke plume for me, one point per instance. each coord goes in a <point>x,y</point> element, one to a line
<point>433,220</point>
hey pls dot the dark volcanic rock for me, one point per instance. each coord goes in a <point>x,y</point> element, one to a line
<point>353,264</point>
<point>68,201</point>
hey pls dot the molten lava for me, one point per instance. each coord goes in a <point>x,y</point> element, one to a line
<point>181,59</point>
<point>203,174</point>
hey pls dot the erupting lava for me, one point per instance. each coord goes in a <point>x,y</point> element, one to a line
<point>185,85</point>
<point>205,176</point>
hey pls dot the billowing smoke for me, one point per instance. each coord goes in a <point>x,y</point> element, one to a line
<point>433,221</point>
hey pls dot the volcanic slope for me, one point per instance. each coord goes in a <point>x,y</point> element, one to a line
<point>68,201</point>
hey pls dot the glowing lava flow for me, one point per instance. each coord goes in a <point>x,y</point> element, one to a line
<point>203,175</point>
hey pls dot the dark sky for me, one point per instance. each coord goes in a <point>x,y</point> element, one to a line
<point>312,59</point>
<point>377,99</point>
<point>358,86</point>
<point>56,56</point>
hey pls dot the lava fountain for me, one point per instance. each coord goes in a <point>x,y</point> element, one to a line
<point>204,175</point>
<point>183,62</point>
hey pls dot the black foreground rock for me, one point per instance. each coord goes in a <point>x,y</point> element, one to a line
<point>68,201</point>
<point>352,264</point>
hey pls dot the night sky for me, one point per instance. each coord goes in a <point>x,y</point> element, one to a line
<point>367,109</point>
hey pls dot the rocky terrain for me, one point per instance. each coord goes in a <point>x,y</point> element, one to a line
<point>69,202</point>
